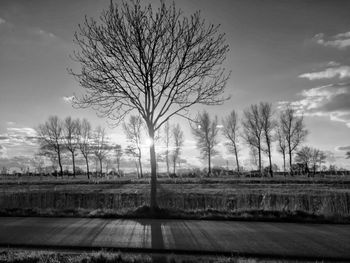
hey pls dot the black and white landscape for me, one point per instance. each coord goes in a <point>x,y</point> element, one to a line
<point>187,131</point>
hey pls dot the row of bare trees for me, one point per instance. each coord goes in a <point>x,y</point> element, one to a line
<point>73,136</point>
<point>259,128</point>
<point>173,138</point>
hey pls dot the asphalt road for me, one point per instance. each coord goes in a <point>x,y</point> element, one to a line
<point>288,240</point>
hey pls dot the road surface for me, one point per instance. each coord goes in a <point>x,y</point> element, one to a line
<point>287,240</point>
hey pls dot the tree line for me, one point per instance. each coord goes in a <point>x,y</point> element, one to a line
<point>259,128</point>
<point>75,137</point>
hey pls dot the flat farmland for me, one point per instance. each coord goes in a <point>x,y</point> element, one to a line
<point>319,197</point>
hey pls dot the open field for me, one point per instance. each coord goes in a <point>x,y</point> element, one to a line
<point>326,197</point>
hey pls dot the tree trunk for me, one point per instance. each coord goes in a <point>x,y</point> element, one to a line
<point>270,161</point>
<point>259,153</point>
<point>290,162</point>
<point>59,162</point>
<point>153,201</point>
<point>174,165</point>
<point>101,171</point>
<point>137,169</point>
<point>167,161</point>
<point>236,154</point>
<point>284,163</point>
<point>87,167</point>
<point>209,162</point>
<point>73,162</point>
<point>140,164</point>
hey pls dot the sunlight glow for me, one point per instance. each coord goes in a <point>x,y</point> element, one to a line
<point>149,142</point>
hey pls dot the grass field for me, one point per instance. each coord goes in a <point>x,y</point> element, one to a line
<point>319,197</point>
<point>20,256</point>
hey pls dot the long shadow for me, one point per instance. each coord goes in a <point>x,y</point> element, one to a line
<point>155,226</point>
<point>157,239</point>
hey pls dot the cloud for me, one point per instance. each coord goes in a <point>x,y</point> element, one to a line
<point>340,41</point>
<point>19,137</point>
<point>332,72</point>
<point>43,33</point>
<point>10,123</point>
<point>331,100</point>
<point>3,152</point>
<point>343,148</point>
<point>68,99</point>
<point>2,21</point>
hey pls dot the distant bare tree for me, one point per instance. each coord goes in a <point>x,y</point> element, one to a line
<point>282,145</point>
<point>253,130</point>
<point>304,156</point>
<point>268,125</point>
<point>133,152</point>
<point>70,138</point>
<point>206,133</point>
<point>178,137</point>
<point>85,142</point>
<point>167,143</point>
<point>118,153</point>
<point>318,157</point>
<point>50,137</point>
<point>100,146</point>
<point>155,62</point>
<point>109,163</point>
<point>132,131</point>
<point>293,130</point>
<point>38,162</point>
<point>231,133</point>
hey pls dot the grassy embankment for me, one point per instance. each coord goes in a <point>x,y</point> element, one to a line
<point>19,256</point>
<point>282,199</point>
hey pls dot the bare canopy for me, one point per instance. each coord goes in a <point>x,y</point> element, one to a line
<point>155,62</point>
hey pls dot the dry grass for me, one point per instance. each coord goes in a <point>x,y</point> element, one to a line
<point>229,198</point>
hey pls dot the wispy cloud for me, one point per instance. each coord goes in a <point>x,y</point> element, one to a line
<point>341,72</point>
<point>340,41</point>
<point>18,137</point>
<point>3,152</point>
<point>68,99</point>
<point>332,101</point>
<point>43,33</point>
<point>343,148</point>
<point>2,21</point>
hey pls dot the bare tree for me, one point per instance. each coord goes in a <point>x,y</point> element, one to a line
<point>70,135</point>
<point>304,156</point>
<point>84,132</point>
<point>167,143</point>
<point>231,133</point>
<point>253,130</point>
<point>268,125</point>
<point>282,145</point>
<point>118,153</point>
<point>50,137</point>
<point>132,151</point>
<point>100,146</point>
<point>132,131</point>
<point>318,157</point>
<point>206,133</point>
<point>293,130</point>
<point>155,62</point>
<point>178,137</point>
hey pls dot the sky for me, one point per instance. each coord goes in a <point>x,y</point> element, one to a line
<point>280,52</point>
